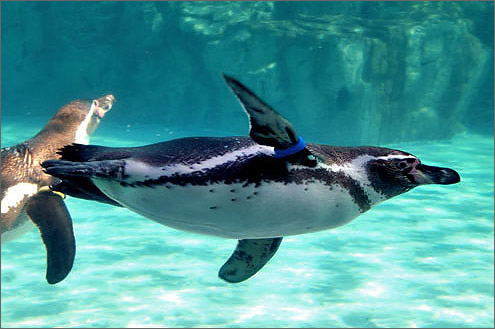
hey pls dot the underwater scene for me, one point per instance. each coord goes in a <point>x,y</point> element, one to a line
<point>371,237</point>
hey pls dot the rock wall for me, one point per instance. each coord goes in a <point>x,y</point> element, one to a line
<point>344,72</point>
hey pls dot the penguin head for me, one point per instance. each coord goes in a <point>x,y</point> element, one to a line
<point>400,172</point>
<point>96,112</point>
<point>80,118</point>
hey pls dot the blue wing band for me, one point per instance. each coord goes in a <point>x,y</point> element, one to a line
<point>279,154</point>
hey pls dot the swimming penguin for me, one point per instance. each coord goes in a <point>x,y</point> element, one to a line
<point>25,192</point>
<point>256,189</point>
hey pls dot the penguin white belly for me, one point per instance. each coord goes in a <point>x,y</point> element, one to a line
<point>233,211</point>
<point>13,211</point>
<point>16,195</point>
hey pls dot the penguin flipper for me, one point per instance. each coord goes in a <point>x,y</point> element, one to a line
<point>48,212</point>
<point>248,258</point>
<point>267,126</point>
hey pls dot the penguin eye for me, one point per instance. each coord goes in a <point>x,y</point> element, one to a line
<point>401,165</point>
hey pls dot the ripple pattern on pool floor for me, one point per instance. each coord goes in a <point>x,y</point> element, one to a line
<point>423,259</point>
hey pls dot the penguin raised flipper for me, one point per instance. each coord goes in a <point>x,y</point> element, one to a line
<point>48,211</point>
<point>268,127</point>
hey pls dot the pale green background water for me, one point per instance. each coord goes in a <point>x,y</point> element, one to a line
<point>423,259</point>
<point>417,76</point>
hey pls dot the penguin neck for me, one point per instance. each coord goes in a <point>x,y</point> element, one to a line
<point>55,136</point>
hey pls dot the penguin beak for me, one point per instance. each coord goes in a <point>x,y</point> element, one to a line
<point>424,174</point>
<point>103,105</point>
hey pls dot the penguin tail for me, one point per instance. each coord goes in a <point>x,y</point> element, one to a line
<point>85,153</point>
<point>79,160</point>
<point>77,152</point>
<point>68,169</point>
<point>61,168</point>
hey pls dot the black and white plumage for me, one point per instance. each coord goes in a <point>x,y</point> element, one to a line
<point>234,187</point>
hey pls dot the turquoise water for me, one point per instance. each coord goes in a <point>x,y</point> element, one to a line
<point>423,259</point>
<point>344,73</point>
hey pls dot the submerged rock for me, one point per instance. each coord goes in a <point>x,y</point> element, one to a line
<point>347,72</point>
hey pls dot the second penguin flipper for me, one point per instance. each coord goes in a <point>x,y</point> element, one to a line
<point>48,212</point>
<point>248,258</point>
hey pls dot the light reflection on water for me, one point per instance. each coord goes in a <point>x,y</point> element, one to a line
<point>422,259</point>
